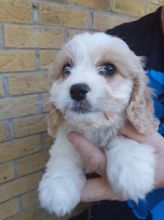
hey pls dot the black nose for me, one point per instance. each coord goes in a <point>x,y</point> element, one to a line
<point>79,91</point>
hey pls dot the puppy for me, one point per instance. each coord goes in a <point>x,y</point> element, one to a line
<point>97,83</point>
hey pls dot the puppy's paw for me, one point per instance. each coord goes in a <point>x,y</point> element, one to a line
<point>60,195</point>
<point>130,168</point>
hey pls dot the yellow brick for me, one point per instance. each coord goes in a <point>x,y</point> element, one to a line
<point>29,125</point>
<point>19,147</point>
<point>72,33</point>
<point>105,21</point>
<point>48,141</point>
<point>19,186</point>
<point>6,172</point>
<point>151,8</point>
<point>30,199</point>
<point>31,37</point>
<point>32,163</point>
<point>45,98</point>
<point>129,7</point>
<point>161,2</point>
<point>9,208</point>
<point>16,11</point>
<point>3,131</point>
<point>154,1</point>
<point>31,214</point>
<point>96,4</point>
<point>46,58</point>
<point>30,83</point>
<point>18,106</point>
<point>16,60</point>
<point>1,89</point>
<point>50,14</point>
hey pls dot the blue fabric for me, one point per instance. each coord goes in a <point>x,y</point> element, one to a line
<point>157,83</point>
<point>158,211</point>
<point>140,210</point>
<point>154,203</point>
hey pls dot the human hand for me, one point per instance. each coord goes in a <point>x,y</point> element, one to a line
<point>96,189</point>
<point>95,161</point>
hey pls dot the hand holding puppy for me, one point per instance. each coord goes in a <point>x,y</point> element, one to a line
<point>95,161</point>
<point>96,189</point>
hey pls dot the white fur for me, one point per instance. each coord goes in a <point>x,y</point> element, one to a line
<point>130,165</point>
<point>130,168</point>
<point>64,179</point>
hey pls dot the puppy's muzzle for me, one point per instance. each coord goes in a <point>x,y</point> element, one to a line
<point>79,91</point>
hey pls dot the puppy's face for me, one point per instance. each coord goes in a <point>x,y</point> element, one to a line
<point>92,81</point>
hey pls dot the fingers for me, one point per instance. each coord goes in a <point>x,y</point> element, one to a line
<point>98,189</point>
<point>94,159</point>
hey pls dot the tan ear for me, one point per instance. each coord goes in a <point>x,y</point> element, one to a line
<point>55,117</point>
<point>54,120</point>
<point>140,109</point>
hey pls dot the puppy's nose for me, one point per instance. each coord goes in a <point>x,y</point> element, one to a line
<point>79,91</point>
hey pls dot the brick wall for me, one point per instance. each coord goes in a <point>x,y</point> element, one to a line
<point>31,33</point>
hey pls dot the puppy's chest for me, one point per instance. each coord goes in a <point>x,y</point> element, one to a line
<point>100,138</point>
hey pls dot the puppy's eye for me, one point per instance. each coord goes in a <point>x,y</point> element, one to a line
<point>67,69</point>
<point>107,69</point>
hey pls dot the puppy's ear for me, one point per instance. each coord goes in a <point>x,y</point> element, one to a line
<point>55,117</point>
<point>54,120</point>
<point>140,109</point>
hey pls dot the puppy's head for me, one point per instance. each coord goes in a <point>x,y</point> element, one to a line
<point>97,81</point>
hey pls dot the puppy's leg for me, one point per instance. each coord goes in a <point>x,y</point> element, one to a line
<point>64,179</point>
<point>130,168</point>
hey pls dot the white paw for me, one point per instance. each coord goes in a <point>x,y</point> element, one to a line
<point>130,168</point>
<point>60,195</point>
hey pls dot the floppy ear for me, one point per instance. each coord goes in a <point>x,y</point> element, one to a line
<point>55,117</point>
<point>140,109</point>
<point>54,120</point>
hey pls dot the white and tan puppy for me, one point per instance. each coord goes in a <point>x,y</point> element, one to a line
<point>97,83</point>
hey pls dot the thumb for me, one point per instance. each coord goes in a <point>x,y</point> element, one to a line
<point>94,159</point>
